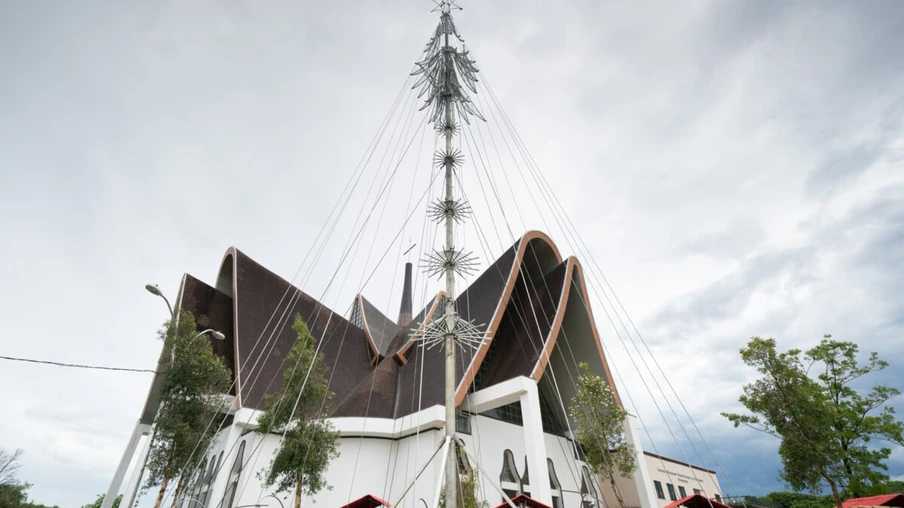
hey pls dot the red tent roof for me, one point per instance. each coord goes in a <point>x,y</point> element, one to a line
<point>367,501</point>
<point>697,501</point>
<point>883,500</point>
<point>524,501</point>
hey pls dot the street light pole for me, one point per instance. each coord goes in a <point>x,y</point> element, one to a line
<point>154,290</point>
<point>140,429</point>
<point>217,335</point>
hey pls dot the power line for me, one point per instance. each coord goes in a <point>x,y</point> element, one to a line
<point>59,364</point>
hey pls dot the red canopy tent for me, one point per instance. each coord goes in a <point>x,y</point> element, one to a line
<point>896,500</point>
<point>696,501</point>
<point>524,501</point>
<point>367,501</point>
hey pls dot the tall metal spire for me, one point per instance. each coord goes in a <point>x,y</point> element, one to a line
<point>446,75</point>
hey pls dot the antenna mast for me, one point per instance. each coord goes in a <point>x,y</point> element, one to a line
<point>441,76</point>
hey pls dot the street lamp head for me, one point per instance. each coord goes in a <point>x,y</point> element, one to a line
<point>154,290</point>
<point>218,335</point>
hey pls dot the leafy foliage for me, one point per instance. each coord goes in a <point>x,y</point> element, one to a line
<point>100,500</point>
<point>13,492</point>
<point>469,483</point>
<point>600,428</point>
<point>191,393</point>
<point>825,425</point>
<point>299,412</point>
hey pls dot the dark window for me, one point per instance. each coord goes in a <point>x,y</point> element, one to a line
<point>698,491</point>
<point>589,496</point>
<point>234,476</point>
<point>509,471</point>
<point>554,485</point>
<point>718,497</point>
<point>671,488</point>
<point>510,493</point>
<point>356,316</point>
<point>681,491</point>
<point>549,418</point>
<point>510,413</point>
<point>206,488</point>
<point>579,452</point>
<point>199,481</point>
<point>659,493</point>
<point>463,423</point>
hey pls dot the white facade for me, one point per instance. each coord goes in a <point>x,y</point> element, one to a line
<point>677,479</point>
<point>665,480</point>
<point>382,457</point>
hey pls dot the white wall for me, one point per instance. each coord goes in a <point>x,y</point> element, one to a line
<point>678,474</point>
<point>385,467</point>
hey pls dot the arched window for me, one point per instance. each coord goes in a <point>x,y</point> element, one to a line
<point>204,491</point>
<point>554,485</point>
<point>525,479</point>
<point>195,490</point>
<point>234,475</point>
<point>509,479</point>
<point>590,497</point>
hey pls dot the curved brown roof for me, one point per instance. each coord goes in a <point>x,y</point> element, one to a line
<point>522,302</point>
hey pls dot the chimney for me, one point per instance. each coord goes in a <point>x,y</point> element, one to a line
<point>405,309</point>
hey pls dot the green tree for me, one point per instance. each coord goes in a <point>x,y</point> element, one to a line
<point>191,393</point>
<point>469,484</point>
<point>13,492</point>
<point>16,496</point>
<point>600,423</point>
<point>826,427</point>
<point>299,413</point>
<point>100,500</point>
<point>13,495</point>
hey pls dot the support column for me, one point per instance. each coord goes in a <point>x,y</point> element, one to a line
<point>642,479</point>
<point>134,485</point>
<point>127,455</point>
<point>535,445</point>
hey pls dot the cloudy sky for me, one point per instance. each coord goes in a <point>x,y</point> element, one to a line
<point>735,169</point>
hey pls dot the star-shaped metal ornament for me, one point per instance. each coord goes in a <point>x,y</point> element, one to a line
<point>464,334</point>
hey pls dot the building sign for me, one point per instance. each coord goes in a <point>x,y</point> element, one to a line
<point>681,476</point>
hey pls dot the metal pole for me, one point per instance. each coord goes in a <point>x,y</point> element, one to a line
<point>446,448</point>
<point>452,465</point>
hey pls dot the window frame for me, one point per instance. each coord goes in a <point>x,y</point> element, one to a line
<point>672,494</point>
<point>660,493</point>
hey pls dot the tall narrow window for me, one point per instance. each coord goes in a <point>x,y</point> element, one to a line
<point>554,485</point>
<point>509,479</point>
<point>671,488</point>
<point>195,493</point>
<point>682,492</point>
<point>525,479</point>
<point>234,475</point>
<point>204,492</point>
<point>590,497</point>
<point>659,492</point>
<point>213,478</point>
